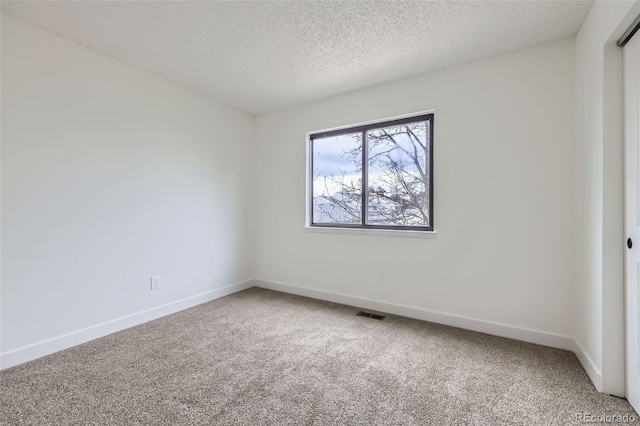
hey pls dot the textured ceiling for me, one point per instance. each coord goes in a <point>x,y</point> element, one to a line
<point>260,56</point>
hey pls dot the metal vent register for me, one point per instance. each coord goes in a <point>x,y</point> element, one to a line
<point>370,315</point>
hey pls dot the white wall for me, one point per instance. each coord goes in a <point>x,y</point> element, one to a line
<point>599,181</point>
<point>110,175</point>
<point>504,132</point>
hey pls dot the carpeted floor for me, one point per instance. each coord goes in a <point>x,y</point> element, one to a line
<point>266,358</point>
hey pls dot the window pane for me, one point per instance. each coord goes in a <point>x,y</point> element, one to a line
<point>398,179</point>
<point>337,179</point>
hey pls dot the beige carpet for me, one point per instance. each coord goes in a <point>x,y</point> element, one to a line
<point>265,358</point>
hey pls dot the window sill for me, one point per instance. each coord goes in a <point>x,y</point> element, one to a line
<point>371,232</point>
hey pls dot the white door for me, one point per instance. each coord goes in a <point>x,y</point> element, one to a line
<point>632,216</point>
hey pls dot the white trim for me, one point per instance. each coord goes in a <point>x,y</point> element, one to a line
<point>589,366</point>
<point>65,341</point>
<point>371,232</point>
<point>488,327</point>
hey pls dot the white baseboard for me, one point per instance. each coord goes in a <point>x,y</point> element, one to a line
<point>65,341</point>
<point>46,347</point>
<point>589,366</point>
<point>493,328</point>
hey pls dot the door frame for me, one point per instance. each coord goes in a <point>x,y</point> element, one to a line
<point>614,371</point>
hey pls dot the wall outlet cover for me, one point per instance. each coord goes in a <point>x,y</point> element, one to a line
<point>155,282</point>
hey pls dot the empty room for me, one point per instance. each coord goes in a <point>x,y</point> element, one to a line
<point>319,212</point>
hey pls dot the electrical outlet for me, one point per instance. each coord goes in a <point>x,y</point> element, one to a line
<point>383,279</point>
<point>155,282</point>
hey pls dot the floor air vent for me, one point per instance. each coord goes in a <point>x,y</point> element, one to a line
<point>370,315</point>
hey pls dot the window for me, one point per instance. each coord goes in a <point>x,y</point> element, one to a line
<point>377,175</point>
